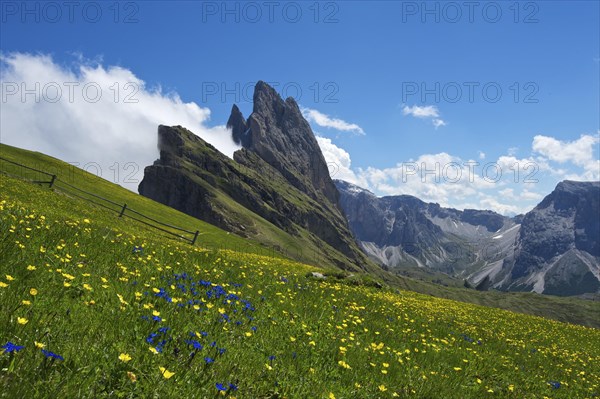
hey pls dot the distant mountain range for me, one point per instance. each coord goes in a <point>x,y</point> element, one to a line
<point>553,249</point>
<point>277,190</point>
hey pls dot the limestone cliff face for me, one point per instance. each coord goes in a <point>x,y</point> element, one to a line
<point>278,133</point>
<point>277,188</point>
<point>558,248</point>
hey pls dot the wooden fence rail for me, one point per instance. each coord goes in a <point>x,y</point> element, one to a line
<point>122,209</point>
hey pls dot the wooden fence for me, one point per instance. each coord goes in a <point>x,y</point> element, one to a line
<point>122,209</point>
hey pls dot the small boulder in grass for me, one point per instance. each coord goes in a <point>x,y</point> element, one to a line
<point>318,275</point>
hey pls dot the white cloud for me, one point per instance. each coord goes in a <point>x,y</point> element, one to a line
<point>438,122</point>
<point>312,115</point>
<point>481,155</point>
<point>99,123</point>
<point>425,112</point>
<point>338,160</point>
<point>507,193</point>
<point>491,202</point>
<point>578,152</point>
<point>530,195</point>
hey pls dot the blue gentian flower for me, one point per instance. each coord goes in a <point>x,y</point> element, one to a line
<point>197,345</point>
<point>10,347</point>
<point>150,338</point>
<point>220,386</point>
<point>52,355</point>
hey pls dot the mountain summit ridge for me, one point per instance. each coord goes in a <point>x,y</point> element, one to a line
<point>277,132</point>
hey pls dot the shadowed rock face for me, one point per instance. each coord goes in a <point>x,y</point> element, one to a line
<point>552,249</point>
<point>279,134</point>
<point>279,175</point>
<point>237,124</point>
<point>564,226</point>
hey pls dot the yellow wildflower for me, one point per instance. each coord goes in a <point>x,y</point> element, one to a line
<point>124,357</point>
<point>166,373</point>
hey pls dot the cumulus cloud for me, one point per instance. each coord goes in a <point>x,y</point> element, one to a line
<point>91,114</point>
<point>338,160</point>
<point>579,152</point>
<point>322,120</point>
<point>503,208</point>
<point>425,112</point>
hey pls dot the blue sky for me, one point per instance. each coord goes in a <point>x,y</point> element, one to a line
<point>353,61</point>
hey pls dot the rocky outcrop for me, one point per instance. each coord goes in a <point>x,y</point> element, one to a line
<point>276,189</point>
<point>279,134</point>
<point>239,129</point>
<point>558,248</point>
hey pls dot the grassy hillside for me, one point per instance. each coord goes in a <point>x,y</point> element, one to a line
<point>95,306</point>
<point>126,313</point>
<point>210,236</point>
<point>571,310</point>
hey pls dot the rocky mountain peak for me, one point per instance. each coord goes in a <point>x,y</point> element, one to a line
<point>560,239</point>
<point>576,186</point>
<point>568,194</point>
<point>237,124</point>
<point>266,100</point>
<point>278,133</point>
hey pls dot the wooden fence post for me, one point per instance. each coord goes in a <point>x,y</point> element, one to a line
<point>123,210</point>
<point>195,237</point>
<point>52,181</point>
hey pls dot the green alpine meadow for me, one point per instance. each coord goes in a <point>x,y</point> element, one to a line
<point>93,305</point>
